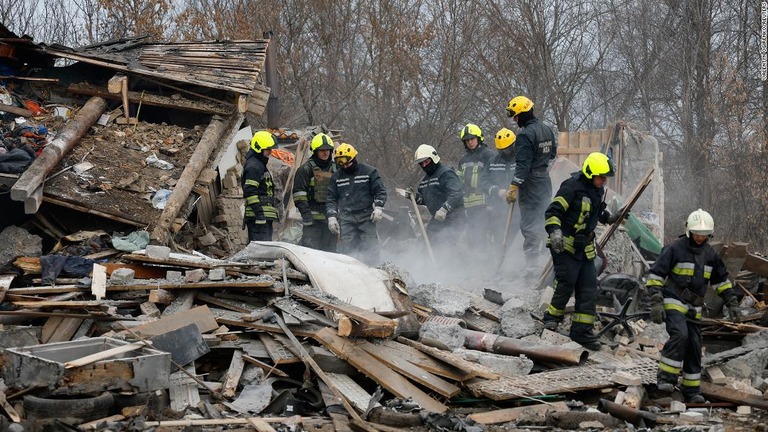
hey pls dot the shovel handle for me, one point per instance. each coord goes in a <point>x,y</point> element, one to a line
<point>423,230</point>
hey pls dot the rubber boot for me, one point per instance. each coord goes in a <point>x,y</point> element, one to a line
<point>582,334</point>
<point>551,322</point>
<point>665,382</point>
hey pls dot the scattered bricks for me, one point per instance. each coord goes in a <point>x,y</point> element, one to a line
<point>646,341</point>
<point>623,340</point>
<point>554,338</point>
<point>654,351</point>
<point>159,252</point>
<point>208,239</point>
<point>194,276</point>
<point>150,309</point>
<point>173,275</point>
<point>217,274</point>
<point>121,276</point>
<point>744,409</point>
<point>676,406</point>
<point>626,378</point>
<point>715,374</point>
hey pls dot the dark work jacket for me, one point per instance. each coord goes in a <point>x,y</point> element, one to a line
<point>501,171</point>
<point>353,194</point>
<point>535,148</point>
<point>576,209</point>
<point>442,188</point>
<point>473,172</point>
<point>682,265</point>
<point>310,188</point>
<point>258,188</point>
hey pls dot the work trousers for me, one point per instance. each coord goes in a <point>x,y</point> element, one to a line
<point>360,240</point>
<point>682,352</point>
<point>259,231</point>
<point>318,236</point>
<point>573,275</point>
<point>534,196</point>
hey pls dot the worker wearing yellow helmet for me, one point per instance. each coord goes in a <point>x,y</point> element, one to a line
<point>355,204</point>
<point>535,151</point>
<point>258,188</point>
<point>677,283</point>
<point>501,170</point>
<point>473,171</point>
<point>571,219</point>
<point>310,189</point>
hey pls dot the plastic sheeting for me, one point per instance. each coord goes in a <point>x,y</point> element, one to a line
<point>338,275</point>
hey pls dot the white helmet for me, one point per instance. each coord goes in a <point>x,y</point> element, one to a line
<point>700,223</point>
<point>426,151</point>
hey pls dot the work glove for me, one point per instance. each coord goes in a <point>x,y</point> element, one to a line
<point>612,218</point>
<point>512,194</point>
<point>409,193</point>
<point>556,242</point>
<point>441,213</point>
<point>502,194</point>
<point>734,310</point>
<point>657,309</point>
<point>333,225</point>
<point>377,214</point>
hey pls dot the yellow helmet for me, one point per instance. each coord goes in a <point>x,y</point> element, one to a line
<point>321,141</point>
<point>471,131</point>
<point>344,151</point>
<point>262,140</point>
<point>700,223</point>
<point>504,138</point>
<point>597,164</point>
<point>519,104</point>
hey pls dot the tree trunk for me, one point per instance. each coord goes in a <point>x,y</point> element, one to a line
<point>70,135</point>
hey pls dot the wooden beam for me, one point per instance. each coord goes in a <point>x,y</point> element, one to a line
<point>232,378</point>
<point>756,264</point>
<point>52,154</point>
<point>212,137</point>
<point>507,415</point>
<point>714,391</point>
<point>200,316</point>
<point>103,355</point>
<point>476,370</point>
<point>32,203</point>
<point>16,110</point>
<point>369,319</point>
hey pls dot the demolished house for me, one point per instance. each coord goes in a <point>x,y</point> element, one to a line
<point>132,301</point>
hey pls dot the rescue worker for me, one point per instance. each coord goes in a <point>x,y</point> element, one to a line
<point>571,219</point>
<point>310,189</point>
<point>441,192</point>
<point>258,188</point>
<point>677,283</point>
<point>473,171</point>
<point>535,152</point>
<point>355,203</point>
<point>501,171</point>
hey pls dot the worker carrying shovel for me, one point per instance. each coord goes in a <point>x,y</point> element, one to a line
<point>442,193</point>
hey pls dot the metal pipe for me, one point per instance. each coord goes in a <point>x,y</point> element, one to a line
<point>626,413</point>
<point>503,345</point>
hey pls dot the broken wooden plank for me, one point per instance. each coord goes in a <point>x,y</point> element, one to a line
<point>473,369</point>
<point>410,370</point>
<point>256,286</point>
<point>374,369</point>
<point>180,304</point>
<point>52,154</point>
<point>200,316</point>
<point>507,415</point>
<point>5,285</point>
<point>757,264</point>
<point>232,267</point>
<point>277,352</point>
<point>426,362</point>
<point>351,390</point>
<point>260,425</point>
<point>265,367</point>
<point>232,377</point>
<point>58,329</point>
<point>102,355</point>
<point>183,391</point>
<point>221,303</point>
<point>303,313</point>
<point>714,391</point>
<point>370,319</point>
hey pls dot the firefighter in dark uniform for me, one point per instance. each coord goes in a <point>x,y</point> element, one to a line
<point>441,192</point>
<point>571,219</point>
<point>535,152</point>
<point>310,189</point>
<point>473,172</point>
<point>355,203</point>
<point>502,171</point>
<point>677,283</point>
<point>258,188</point>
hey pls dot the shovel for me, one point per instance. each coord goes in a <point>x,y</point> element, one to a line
<point>421,224</point>
<point>506,238</point>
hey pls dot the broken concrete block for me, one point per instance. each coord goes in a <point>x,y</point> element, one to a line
<point>554,338</point>
<point>626,378</point>
<point>121,276</point>
<point>442,299</point>
<point>503,365</point>
<point>744,409</point>
<point>158,252</point>
<point>173,275</point>
<point>715,374</point>
<point>619,399</point>
<point>516,322</point>
<point>676,406</point>
<point>691,415</point>
<point>14,337</point>
<point>217,274</point>
<point>623,340</point>
<point>194,276</point>
<point>17,242</point>
<point>742,385</point>
<point>634,396</point>
<point>150,309</point>
<point>442,335</point>
<point>207,239</point>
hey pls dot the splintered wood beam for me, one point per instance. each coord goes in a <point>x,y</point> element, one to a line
<point>232,378</point>
<point>367,318</point>
<point>180,103</point>
<point>52,154</point>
